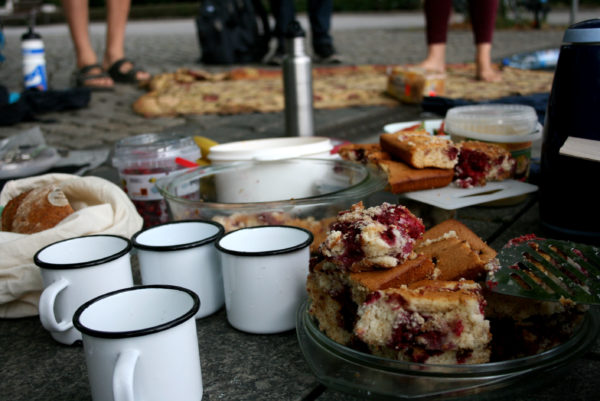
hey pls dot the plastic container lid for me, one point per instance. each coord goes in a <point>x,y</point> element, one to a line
<point>494,123</point>
<point>271,149</point>
<point>154,150</point>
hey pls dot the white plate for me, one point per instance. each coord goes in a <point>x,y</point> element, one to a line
<point>430,126</point>
<point>453,197</point>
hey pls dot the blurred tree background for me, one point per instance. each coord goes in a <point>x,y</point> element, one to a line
<point>339,5</point>
<point>156,9</point>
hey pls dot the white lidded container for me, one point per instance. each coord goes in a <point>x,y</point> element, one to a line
<point>271,149</point>
<point>260,179</point>
<point>492,122</point>
<point>513,127</point>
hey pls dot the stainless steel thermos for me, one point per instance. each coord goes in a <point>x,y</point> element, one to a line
<point>297,84</point>
<point>568,201</point>
<point>34,61</point>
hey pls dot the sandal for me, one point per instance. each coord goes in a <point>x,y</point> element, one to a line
<point>128,77</point>
<point>84,75</point>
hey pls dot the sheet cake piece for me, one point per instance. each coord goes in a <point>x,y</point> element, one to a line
<point>368,238</point>
<point>457,251</point>
<point>419,149</point>
<point>369,153</point>
<point>427,322</point>
<point>336,294</point>
<point>404,178</point>
<point>481,162</point>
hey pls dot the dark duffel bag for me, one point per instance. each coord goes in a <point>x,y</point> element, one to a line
<point>232,31</point>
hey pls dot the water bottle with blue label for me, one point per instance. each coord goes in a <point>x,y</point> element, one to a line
<point>537,60</point>
<point>34,62</point>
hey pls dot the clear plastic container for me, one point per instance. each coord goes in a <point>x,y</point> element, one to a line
<point>514,127</point>
<point>491,119</point>
<point>141,160</point>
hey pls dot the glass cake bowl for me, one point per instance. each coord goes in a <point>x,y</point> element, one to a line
<point>369,376</point>
<point>265,192</point>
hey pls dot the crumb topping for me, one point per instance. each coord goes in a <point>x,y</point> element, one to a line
<point>383,235</point>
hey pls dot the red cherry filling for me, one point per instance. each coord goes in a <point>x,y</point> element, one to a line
<point>452,153</point>
<point>472,165</point>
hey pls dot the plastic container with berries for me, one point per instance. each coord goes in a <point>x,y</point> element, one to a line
<point>141,160</point>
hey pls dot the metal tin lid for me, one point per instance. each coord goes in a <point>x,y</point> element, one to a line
<point>583,32</point>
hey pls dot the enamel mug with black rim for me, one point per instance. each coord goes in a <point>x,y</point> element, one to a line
<point>140,343</point>
<point>182,253</point>
<point>76,270</point>
<point>264,276</point>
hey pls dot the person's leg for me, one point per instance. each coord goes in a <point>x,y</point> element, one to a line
<point>77,14</point>
<point>483,19</point>
<point>437,16</point>
<point>284,13</point>
<point>319,14</point>
<point>116,23</point>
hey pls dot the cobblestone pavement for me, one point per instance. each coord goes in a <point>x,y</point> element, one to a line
<point>167,45</point>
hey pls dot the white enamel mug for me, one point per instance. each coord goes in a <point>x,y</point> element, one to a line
<point>264,276</point>
<point>182,253</point>
<point>76,270</point>
<point>140,343</point>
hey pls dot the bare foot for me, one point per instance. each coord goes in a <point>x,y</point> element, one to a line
<point>436,58</point>
<point>432,66</point>
<point>489,75</point>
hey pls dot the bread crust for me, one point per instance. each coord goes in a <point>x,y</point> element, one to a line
<point>36,210</point>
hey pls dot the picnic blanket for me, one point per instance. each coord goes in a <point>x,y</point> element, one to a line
<point>246,90</point>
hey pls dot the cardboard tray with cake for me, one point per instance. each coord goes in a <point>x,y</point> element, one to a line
<point>398,310</point>
<point>460,161</point>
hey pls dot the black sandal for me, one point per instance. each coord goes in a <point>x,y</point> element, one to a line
<point>83,76</point>
<point>129,77</point>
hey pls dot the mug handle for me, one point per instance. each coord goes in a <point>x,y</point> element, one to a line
<point>47,300</point>
<point>122,380</point>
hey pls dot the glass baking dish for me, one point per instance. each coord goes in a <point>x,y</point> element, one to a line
<point>299,187</point>
<point>368,376</point>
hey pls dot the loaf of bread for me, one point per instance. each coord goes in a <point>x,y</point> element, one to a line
<point>36,210</point>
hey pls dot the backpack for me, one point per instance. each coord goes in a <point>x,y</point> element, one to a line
<point>232,31</point>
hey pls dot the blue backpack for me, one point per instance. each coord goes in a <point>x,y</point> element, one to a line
<point>232,31</point>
